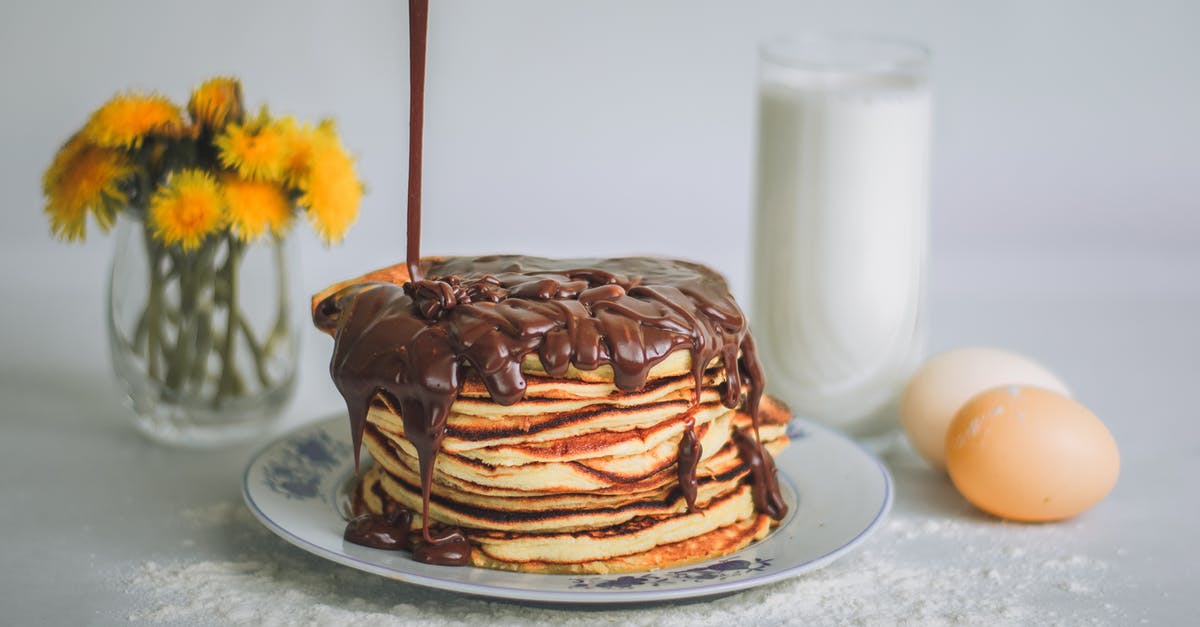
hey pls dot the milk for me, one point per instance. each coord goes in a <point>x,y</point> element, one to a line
<point>839,252</point>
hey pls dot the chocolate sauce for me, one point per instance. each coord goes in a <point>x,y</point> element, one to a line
<point>415,343</point>
<point>765,488</point>
<point>379,532</point>
<point>689,457</point>
<point>418,21</point>
<point>450,549</point>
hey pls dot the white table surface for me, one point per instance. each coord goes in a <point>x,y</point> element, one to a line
<point>87,501</point>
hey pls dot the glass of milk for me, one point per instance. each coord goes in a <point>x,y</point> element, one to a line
<point>841,228</point>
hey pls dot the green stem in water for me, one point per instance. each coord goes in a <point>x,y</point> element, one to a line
<point>204,340</point>
<point>178,360</point>
<point>260,359</point>
<point>153,313</point>
<point>140,333</point>
<point>230,383</point>
<point>206,285</point>
<point>279,330</point>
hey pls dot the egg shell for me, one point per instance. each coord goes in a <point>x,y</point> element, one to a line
<point>1029,454</point>
<point>945,382</point>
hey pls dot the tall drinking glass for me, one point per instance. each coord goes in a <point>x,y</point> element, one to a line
<point>841,226</point>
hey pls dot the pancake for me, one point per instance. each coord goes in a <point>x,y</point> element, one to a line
<point>545,395</point>
<point>717,543</point>
<point>645,468</point>
<point>643,543</point>
<point>583,431</point>
<point>466,432</point>
<point>472,505</point>
<point>592,472</point>
<point>635,536</point>
<point>650,447</point>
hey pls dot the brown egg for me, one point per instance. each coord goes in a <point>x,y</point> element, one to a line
<point>1028,454</point>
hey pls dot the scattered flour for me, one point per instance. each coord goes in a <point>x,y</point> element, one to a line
<point>892,581</point>
<point>215,515</point>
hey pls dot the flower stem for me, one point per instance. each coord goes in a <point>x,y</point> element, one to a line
<point>153,313</point>
<point>260,359</point>
<point>140,333</point>
<point>279,330</point>
<point>179,360</point>
<point>230,383</point>
<point>204,339</point>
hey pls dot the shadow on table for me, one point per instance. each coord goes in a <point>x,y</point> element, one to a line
<point>925,492</point>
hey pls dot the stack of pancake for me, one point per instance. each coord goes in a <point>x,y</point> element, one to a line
<point>580,476</point>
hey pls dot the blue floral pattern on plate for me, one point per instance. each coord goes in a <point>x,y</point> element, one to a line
<point>299,469</point>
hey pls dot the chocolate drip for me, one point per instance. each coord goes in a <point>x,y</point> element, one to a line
<point>768,498</point>
<point>762,472</point>
<point>689,457</point>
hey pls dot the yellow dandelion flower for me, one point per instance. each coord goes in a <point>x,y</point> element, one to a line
<point>217,102</point>
<point>186,209</point>
<point>303,141</point>
<point>257,150</point>
<point>84,177</point>
<point>331,192</point>
<point>127,119</point>
<point>255,206</point>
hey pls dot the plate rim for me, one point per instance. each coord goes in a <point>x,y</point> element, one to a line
<point>573,597</point>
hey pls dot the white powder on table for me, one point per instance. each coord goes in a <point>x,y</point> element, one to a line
<point>914,571</point>
<point>220,514</point>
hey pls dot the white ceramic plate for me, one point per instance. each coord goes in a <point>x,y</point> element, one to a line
<point>837,493</point>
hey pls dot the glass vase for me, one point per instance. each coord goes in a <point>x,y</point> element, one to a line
<point>203,341</point>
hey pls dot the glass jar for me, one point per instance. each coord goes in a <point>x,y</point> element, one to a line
<point>838,309</point>
<point>203,341</point>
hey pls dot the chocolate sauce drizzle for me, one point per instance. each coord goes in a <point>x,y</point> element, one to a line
<point>765,490</point>
<point>688,458</point>
<point>414,344</point>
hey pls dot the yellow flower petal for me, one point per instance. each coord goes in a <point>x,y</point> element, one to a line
<point>303,142</point>
<point>187,209</point>
<point>256,150</point>
<point>127,119</point>
<point>217,102</point>
<point>331,192</point>
<point>255,206</point>
<point>84,177</point>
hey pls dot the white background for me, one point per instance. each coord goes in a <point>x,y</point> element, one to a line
<point>609,127</point>
<point>1065,224</point>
